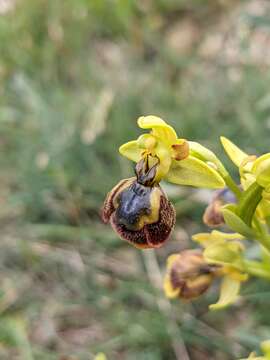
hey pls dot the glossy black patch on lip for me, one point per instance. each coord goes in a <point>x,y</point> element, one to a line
<point>151,235</point>
<point>133,202</point>
<point>139,210</point>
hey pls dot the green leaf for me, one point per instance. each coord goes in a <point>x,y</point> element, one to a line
<point>194,172</point>
<point>235,222</point>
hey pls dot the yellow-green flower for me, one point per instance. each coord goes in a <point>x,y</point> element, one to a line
<point>179,161</point>
<point>252,169</point>
<point>100,356</point>
<point>265,346</point>
<point>226,251</point>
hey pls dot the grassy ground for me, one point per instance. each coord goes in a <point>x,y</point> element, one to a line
<point>74,77</point>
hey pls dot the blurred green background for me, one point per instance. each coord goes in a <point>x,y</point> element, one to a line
<point>74,77</point>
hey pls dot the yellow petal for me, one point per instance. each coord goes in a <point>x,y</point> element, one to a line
<point>265,346</point>
<point>100,356</point>
<point>194,172</point>
<point>235,154</point>
<point>235,274</point>
<point>228,293</point>
<point>170,292</point>
<point>171,259</point>
<point>253,356</point>
<point>165,160</point>
<point>208,239</point>
<point>147,141</point>
<point>227,236</point>
<point>131,150</point>
<point>159,127</point>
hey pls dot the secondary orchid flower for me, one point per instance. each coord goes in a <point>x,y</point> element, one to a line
<point>188,275</point>
<point>253,170</point>
<point>224,250</point>
<point>265,346</point>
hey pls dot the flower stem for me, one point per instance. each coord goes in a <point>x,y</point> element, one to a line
<point>257,269</point>
<point>232,186</point>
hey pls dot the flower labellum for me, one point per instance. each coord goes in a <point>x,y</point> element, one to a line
<point>139,210</point>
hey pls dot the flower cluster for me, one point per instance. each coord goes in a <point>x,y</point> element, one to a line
<point>140,212</point>
<point>265,346</point>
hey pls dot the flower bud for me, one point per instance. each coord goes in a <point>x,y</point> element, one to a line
<point>213,215</point>
<point>139,210</point>
<point>188,275</point>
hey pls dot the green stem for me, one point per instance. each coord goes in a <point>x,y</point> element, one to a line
<point>261,235</point>
<point>257,269</point>
<point>264,241</point>
<point>228,179</point>
<point>232,186</point>
<point>265,255</point>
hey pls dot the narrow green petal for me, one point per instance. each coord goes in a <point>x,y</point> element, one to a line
<point>228,293</point>
<point>159,127</point>
<point>194,172</point>
<point>235,154</point>
<point>131,150</point>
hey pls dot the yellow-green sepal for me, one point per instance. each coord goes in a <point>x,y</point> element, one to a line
<point>229,293</point>
<point>261,169</point>
<point>253,356</point>
<point>234,153</point>
<point>199,151</point>
<point>131,150</point>
<point>194,172</point>
<point>168,288</point>
<point>215,237</point>
<point>226,253</point>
